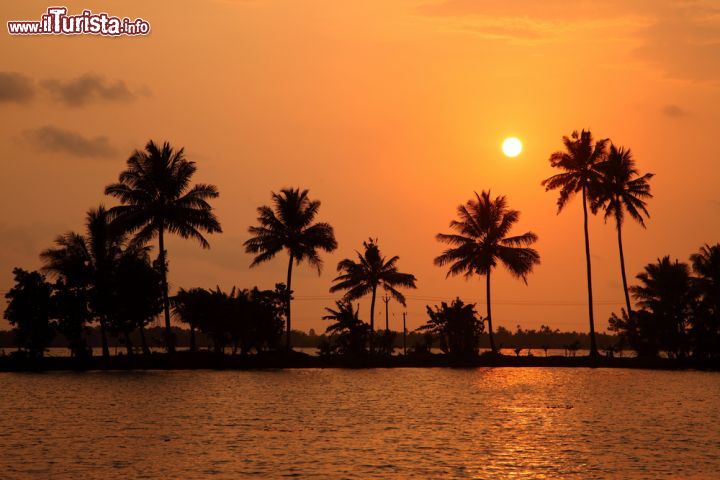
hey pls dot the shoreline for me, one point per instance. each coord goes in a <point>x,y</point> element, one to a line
<point>283,360</point>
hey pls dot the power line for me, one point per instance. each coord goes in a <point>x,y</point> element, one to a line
<point>529,303</point>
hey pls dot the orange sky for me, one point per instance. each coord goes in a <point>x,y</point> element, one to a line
<point>391,113</point>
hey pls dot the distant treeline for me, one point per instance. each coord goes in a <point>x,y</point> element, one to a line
<point>525,339</point>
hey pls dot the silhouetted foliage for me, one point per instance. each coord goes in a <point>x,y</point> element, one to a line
<point>673,317</point>
<point>288,225</point>
<point>245,320</point>
<point>85,264</point>
<point>157,197</point>
<point>347,335</point>
<point>370,271</point>
<point>29,310</point>
<point>580,174</point>
<point>482,241</point>
<point>457,326</point>
<point>705,329</point>
<point>70,307</point>
<point>622,189</point>
<point>137,295</point>
<point>191,306</point>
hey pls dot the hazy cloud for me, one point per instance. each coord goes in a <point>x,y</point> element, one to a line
<point>57,140</point>
<point>89,88</point>
<point>15,87</point>
<point>684,42</point>
<point>673,111</point>
<point>681,39</point>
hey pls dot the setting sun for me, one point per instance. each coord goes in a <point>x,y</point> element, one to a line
<point>512,147</point>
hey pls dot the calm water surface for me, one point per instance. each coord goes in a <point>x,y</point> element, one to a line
<point>490,423</point>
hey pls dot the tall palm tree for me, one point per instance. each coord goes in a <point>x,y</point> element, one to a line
<point>156,198</point>
<point>87,262</point>
<point>482,241</point>
<point>371,271</point>
<point>622,189</point>
<point>288,225</point>
<point>579,165</point>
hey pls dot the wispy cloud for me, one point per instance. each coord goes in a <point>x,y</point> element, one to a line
<point>684,42</point>
<point>673,111</point>
<point>16,88</point>
<point>57,140</point>
<point>679,39</point>
<point>89,88</point>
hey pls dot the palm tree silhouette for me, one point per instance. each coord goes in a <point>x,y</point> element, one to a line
<point>156,198</point>
<point>371,271</point>
<point>88,262</point>
<point>481,242</point>
<point>666,291</point>
<point>288,225</point>
<point>622,189</point>
<point>579,163</point>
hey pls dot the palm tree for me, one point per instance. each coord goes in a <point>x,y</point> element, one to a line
<point>86,262</point>
<point>156,198</point>
<point>348,334</point>
<point>665,293</point>
<point>622,189</point>
<point>481,242</point>
<point>371,271</point>
<point>288,225</point>
<point>706,321</point>
<point>579,165</point>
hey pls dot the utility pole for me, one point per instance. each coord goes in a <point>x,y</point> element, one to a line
<point>386,299</point>
<point>404,335</point>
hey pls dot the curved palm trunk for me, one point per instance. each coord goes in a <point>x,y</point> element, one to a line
<point>103,338</point>
<point>169,340</point>
<point>593,345</point>
<point>622,270</point>
<point>289,298</point>
<point>489,314</point>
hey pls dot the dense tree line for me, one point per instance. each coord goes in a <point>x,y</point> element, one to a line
<point>106,277</point>
<point>678,310</point>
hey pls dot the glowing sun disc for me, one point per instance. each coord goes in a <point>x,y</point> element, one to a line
<point>512,147</point>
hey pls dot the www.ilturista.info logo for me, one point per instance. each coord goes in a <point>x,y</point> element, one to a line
<point>57,22</point>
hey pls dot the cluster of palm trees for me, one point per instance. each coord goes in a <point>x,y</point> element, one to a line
<point>108,268</point>
<point>678,310</point>
<point>288,225</point>
<point>156,197</point>
<point>607,179</point>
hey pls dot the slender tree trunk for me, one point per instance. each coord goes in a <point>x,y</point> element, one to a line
<point>387,321</point>
<point>192,338</point>
<point>372,310</point>
<point>593,345</point>
<point>143,341</point>
<point>622,270</point>
<point>289,299</point>
<point>128,344</point>
<point>489,314</point>
<point>372,319</point>
<point>103,338</point>
<point>169,340</point>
